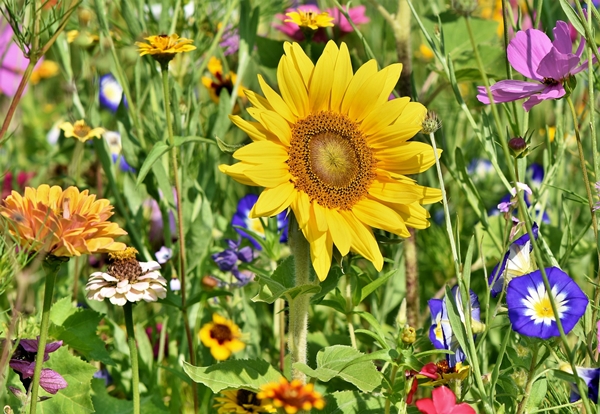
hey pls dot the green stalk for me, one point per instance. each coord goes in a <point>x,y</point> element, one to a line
<point>388,402</point>
<point>530,378</point>
<point>51,265</point>
<point>182,265</point>
<point>299,306</point>
<point>135,389</point>
<point>349,312</point>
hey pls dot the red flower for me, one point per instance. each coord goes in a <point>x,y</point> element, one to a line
<point>428,371</point>
<point>443,401</point>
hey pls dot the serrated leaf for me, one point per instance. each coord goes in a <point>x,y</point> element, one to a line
<point>249,374</point>
<point>104,403</point>
<point>344,362</point>
<point>353,402</point>
<point>77,328</point>
<point>75,399</point>
<point>282,283</point>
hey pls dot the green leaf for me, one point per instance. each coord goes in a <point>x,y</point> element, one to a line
<point>75,399</point>
<point>228,148</point>
<point>179,141</point>
<point>347,363</point>
<point>371,287</point>
<point>282,283</point>
<point>269,51</point>
<point>159,149</point>
<point>77,328</point>
<point>573,17</point>
<point>352,402</point>
<point>104,403</point>
<point>537,394</point>
<point>249,374</point>
<point>379,332</point>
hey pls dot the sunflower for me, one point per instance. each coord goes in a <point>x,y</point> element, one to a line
<point>242,402</point>
<point>222,336</point>
<point>81,131</point>
<point>335,150</point>
<point>163,48</point>
<point>62,223</point>
<point>292,396</point>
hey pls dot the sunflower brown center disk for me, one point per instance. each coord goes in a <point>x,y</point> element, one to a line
<point>330,160</point>
<point>221,333</point>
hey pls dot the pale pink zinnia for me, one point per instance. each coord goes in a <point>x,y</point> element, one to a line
<point>535,56</point>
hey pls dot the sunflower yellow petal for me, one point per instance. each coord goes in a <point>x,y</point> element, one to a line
<point>276,101</point>
<point>321,249</point>
<point>293,90</point>
<point>364,73</point>
<point>369,92</point>
<point>302,209</point>
<point>253,129</point>
<point>393,135</point>
<point>320,83</point>
<point>363,240</point>
<point>390,83</point>
<point>273,201</point>
<point>407,158</point>
<point>258,101</point>
<point>300,61</point>
<point>318,212</point>
<point>376,214</point>
<point>343,75</point>
<point>268,175</point>
<point>338,228</point>
<point>414,215</point>
<point>237,172</point>
<point>413,114</point>
<point>385,115</point>
<point>274,123</point>
<point>262,152</point>
<point>394,191</point>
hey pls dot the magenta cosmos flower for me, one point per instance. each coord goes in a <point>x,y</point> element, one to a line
<point>534,56</point>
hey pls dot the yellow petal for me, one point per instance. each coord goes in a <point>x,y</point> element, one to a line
<point>273,201</point>
<point>320,217</point>
<point>413,114</point>
<point>268,175</point>
<point>300,61</point>
<point>390,83</point>
<point>292,87</point>
<point>376,214</point>
<point>253,129</point>
<point>365,72</point>
<point>274,123</point>
<point>393,135</point>
<point>367,95</point>
<point>394,191</point>
<point>276,102</point>
<point>258,101</point>
<point>363,240</point>
<point>320,83</point>
<point>414,215</point>
<point>220,352</point>
<point>238,173</point>
<point>341,79</point>
<point>321,249</point>
<point>338,228</point>
<point>407,158</point>
<point>377,120</point>
<point>262,152</point>
<point>302,208</point>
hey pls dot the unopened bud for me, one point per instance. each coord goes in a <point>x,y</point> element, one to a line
<point>431,123</point>
<point>477,327</point>
<point>409,335</point>
<point>209,282</point>
<point>464,7</point>
<point>517,145</point>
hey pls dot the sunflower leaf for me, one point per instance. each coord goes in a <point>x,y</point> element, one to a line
<point>249,374</point>
<point>282,283</point>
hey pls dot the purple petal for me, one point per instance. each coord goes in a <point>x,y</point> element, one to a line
<point>26,368</point>
<point>562,37</point>
<point>53,346</point>
<point>556,65</point>
<point>526,51</point>
<point>52,381</point>
<point>552,92</point>
<point>246,254</point>
<point>509,90</point>
<point>226,259</point>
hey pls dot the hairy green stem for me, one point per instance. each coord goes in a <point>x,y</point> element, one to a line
<point>51,266</point>
<point>182,264</point>
<point>299,306</point>
<point>530,378</point>
<point>135,389</point>
<point>412,279</point>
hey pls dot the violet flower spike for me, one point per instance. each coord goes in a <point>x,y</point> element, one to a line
<point>533,55</point>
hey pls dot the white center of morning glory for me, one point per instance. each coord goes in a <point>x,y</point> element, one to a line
<point>538,304</point>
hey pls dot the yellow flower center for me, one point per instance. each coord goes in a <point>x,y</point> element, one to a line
<point>330,160</point>
<point>543,308</point>
<point>81,130</point>
<point>221,333</point>
<point>128,253</point>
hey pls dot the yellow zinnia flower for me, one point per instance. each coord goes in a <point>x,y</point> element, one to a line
<point>163,48</point>
<point>222,336</point>
<point>220,81</point>
<point>292,396</point>
<point>81,130</point>
<point>309,19</point>
<point>242,402</point>
<point>335,150</point>
<point>61,223</point>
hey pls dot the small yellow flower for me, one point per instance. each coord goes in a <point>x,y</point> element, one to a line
<point>310,19</point>
<point>222,336</point>
<point>242,402</point>
<point>163,48</point>
<point>46,69</point>
<point>292,396</point>
<point>220,81</point>
<point>62,223</point>
<point>81,130</point>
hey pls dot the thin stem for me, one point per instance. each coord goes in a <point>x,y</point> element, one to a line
<point>182,267</point>
<point>538,15</point>
<point>530,378</point>
<point>128,309</point>
<point>299,306</point>
<point>388,402</point>
<point>349,310</point>
<point>51,266</point>
<point>412,279</point>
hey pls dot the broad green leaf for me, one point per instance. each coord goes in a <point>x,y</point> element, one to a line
<point>282,283</point>
<point>77,328</point>
<point>353,402</point>
<point>242,373</point>
<point>75,399</point>
<point>159,149</point>
<point>105,403</point>
<point>537,394</point>
<point>347,363</point>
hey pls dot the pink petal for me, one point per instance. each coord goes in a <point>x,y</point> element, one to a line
<point>562,37</point>
<point>526,51</point>
<point>425,405</point>
<point>24,367</point>
<point>463,408</point>
<point>509,90</point>
<point>444,400</point>
<point>551,92</point>
<point>357,15</point>
<point>557,65</point>
<point>52,381</point>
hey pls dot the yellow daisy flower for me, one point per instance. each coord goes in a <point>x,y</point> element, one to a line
<point>292,396</point>
<point>163,48</point>
<point>309,19</point>
<point>335,150</point>
<point>220,81</point>
<point>242,402</point>
<point>81,130</point>
<point>62,223</point>
<point>222,336</point>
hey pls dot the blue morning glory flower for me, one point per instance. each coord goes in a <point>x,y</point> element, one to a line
<point>516,262</point>
<point>529,308</point>
<point>591,376</point>
<point>110,93</point>
<point>242,218</point>
<point>440,332</point>
<point>536,172</point>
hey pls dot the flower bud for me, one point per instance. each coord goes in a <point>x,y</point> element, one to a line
<point>464,7</point>
<point>431,123</point>
<point>409,335</point>
<point>517,145</point>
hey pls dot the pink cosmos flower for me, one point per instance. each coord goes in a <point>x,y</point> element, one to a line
<point>533,55</point>
<point>443,401</point>
<point>357,15</point>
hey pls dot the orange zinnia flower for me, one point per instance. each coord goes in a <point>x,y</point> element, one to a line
<point>62,223</point>
<point>292,396</point>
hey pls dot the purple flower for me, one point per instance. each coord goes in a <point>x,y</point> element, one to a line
<point>529,308</point>
<point>591,376</point>
<point>516,262</point>
<point>242,218</point>
<point>23,363</point>
<point>104,375</point>
<point>230,41</point>
<point>440,332</point>
<point>227,259</point>
<point>533,55</point>
<point>111,93</point>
